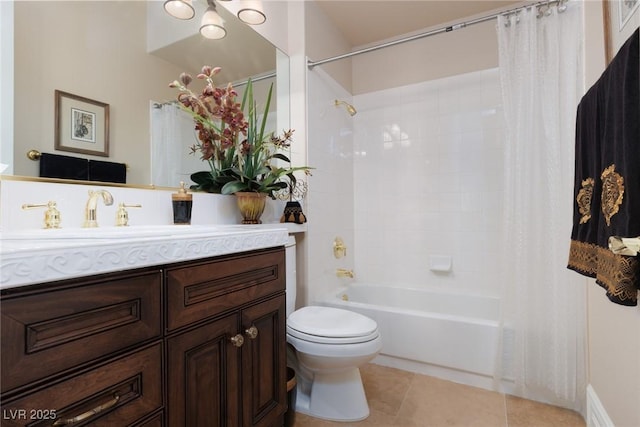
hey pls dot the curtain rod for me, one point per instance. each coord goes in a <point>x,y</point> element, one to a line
<point>255,79</point>
<point>450,28</point>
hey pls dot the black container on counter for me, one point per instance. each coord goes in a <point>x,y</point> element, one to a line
<point>182,205</point>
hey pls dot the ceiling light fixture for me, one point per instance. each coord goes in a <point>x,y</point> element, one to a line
<point>212,25</point>
<point>252,12</point>
<point>181,9</point>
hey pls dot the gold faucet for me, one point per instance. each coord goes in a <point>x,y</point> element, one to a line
<point>343,272</point>
<point>90,219</point>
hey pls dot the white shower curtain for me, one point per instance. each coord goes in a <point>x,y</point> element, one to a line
<point>172,133</point>
<point>541,71</point>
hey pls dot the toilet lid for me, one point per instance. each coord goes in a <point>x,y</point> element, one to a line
<point>331,322</point>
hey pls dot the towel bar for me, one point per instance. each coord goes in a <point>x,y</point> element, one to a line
<point>35,156</point>
<point>624,245</point>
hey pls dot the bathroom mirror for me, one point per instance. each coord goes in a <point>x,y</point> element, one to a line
<point>105,51</point>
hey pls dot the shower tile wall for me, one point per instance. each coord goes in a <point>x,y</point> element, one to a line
<point>330,199</point>
<point>428,181</point>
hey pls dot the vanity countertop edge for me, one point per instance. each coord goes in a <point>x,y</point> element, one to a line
<point>30,262</point>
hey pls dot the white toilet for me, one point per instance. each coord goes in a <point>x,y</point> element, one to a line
<point>330,344</point>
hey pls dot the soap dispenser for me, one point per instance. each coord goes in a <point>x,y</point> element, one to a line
<point>182,204</point>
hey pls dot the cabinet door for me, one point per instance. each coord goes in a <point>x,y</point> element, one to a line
<point>203,376</point>
<point>264,395</point>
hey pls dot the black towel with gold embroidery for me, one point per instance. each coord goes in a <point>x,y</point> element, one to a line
<point>607,177</point>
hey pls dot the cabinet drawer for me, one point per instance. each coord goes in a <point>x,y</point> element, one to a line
<point>204,289</point>
<point>155,421</point>
<point>53,330</point>
<point>115,394</point>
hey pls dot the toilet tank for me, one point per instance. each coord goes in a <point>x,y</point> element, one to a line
<point>290,260</point>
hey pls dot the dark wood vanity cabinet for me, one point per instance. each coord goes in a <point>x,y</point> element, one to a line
<point>227,370</point>
<point>83,351</point>
<point>195,344</point>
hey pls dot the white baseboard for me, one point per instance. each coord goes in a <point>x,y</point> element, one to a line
<point>596,414</point>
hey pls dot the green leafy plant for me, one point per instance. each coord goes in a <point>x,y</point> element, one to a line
<point>232,139</point>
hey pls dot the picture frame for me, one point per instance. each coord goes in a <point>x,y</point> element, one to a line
<point>81,124</point>
<point>621,18</point>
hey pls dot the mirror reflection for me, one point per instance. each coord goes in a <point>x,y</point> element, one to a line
<point>123,54</point>
<point>171,163</point>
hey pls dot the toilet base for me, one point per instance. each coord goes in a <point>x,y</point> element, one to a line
<point>335,396</point>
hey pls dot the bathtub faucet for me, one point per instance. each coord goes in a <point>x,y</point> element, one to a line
<point>90,212</point>
<point>343,272</point>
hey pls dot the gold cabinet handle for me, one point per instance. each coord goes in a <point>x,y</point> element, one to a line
<point>252,332</point>
<point>89,413</point>
<point>237,340</point>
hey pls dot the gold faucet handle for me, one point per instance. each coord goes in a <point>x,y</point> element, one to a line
<point>51,215</point>
<point>343,272</point>
<point>122,216</point>
<point>339,248</point>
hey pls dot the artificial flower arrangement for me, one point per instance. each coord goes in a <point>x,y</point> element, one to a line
<point>232,139</point>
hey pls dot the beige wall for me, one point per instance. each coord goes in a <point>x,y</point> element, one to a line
<point>323,40</point>
<point>107,62</point>
<point>614,350</point>
<point>614,330</point>
<point>462,51</point>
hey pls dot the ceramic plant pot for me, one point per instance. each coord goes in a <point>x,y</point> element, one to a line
<point>251,206</point>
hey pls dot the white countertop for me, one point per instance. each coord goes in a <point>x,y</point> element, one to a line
<point>29,259</point>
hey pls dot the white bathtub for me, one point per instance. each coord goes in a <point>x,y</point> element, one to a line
<point>452,336</point>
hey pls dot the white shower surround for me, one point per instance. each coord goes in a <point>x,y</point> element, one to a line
<point>416,173</point>
<point>331,194</point>
<point>428,171</point>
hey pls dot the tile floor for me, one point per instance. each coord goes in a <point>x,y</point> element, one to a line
<point>404,399</point>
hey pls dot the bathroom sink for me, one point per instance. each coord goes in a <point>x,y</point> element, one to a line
<point>122,232</point>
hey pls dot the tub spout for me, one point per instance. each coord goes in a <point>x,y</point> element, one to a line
<point>90,212</point>
<point>343,272</point>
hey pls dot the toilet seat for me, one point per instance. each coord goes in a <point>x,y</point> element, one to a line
<point>328,325</point>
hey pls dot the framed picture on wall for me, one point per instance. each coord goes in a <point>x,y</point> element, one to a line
<point>621,18</point>
<point>82,125</point>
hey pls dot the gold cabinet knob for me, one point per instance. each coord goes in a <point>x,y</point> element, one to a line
<point>237,340</point>
<point>252,332</point>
